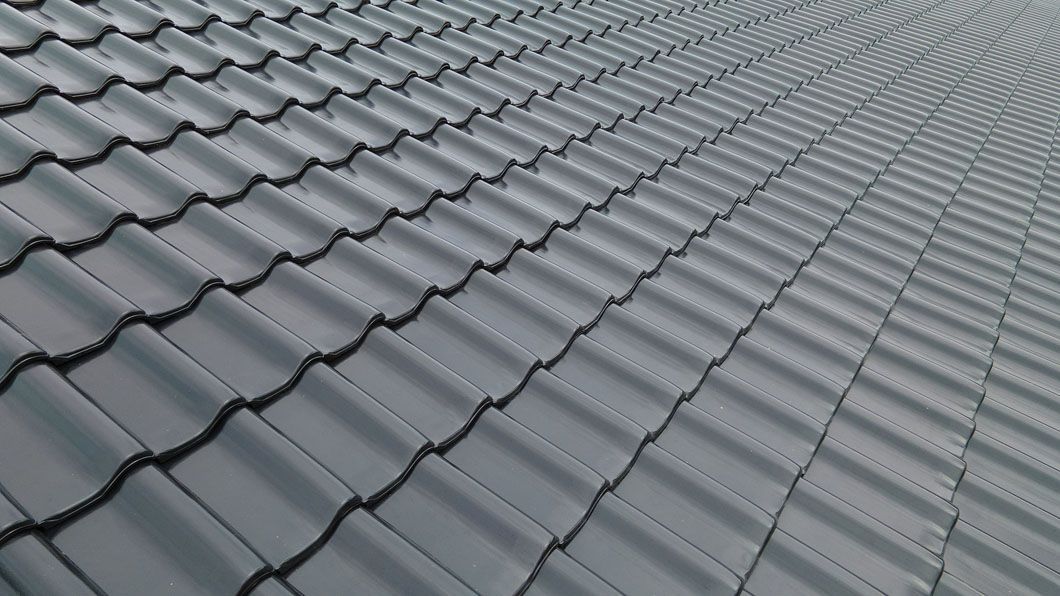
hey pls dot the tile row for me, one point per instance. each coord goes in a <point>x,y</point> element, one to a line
<point>882,511</point>
<point>239,255</point>
<point>273,51</point>
<point>1005,531</point>
<point>170,281</point>
<point>613,524</point>
<point>193,331</point>
<point>82,22</point>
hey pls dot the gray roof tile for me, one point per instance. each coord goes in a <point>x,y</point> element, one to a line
<point>416,211</point>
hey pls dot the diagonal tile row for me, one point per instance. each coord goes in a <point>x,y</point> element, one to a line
<point>230,91</point>
<point>96,213</point>
<point>365,524</point>
<point>239,255</point>
<point>874,499</point>
<point>776,335</point>
<point>1005,533</point>
<point>345,134</point>
<point>367,23</point>
<point>255,389</point>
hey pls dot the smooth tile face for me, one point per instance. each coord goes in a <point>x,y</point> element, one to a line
<point>563,297</point>
<point>219,558</point>
<point>480,538</point>
<point>48,477</point>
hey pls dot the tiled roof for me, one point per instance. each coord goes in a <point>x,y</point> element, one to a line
<point>556,296</point>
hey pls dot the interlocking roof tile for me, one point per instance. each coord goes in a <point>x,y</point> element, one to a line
<point>545,296</point>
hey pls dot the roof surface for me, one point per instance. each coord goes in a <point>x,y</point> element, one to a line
<point>450,296</point>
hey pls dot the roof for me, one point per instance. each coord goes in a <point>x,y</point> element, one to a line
<point>556,296</point>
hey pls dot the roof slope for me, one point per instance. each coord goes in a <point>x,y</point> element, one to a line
<point>558,296</point>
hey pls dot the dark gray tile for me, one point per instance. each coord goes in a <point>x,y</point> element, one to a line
<point>324,316</point>
<point>757,473</point>
<point>189,549</point>
<point>372,278</point>
<point>140,183</point>
<point>63,129</point>
<point>563,576</point>
<point>697,508</point>
<point>389,181</point>
<point>247,350</point>
<point>789,566</point>
<point>596,435</point>
<point>147,271</point>
<point>233,252</point>
<point>134,63</point>
<point>490,243</point>
<point>535,326</point>
<point>912,410</point>
<point>49,479</point>
<point>635,554</point>
<point>470,348</point>
<point>360,211</point>
<point>280,501</point>
<point>569,294</point>
<point>301,230</point>
<point>470,531</point>
<point>619,383</point>
<point>365,552</point>
<point>62,205</point>
<point>140,118</point>
<point>185,96</point>
<point>663,353</point>
<point>695,324</point>
<point>872,551</point>
<point>328,143</point>
<point>1009,519</point>
<point>800,387</point>
<point>129,16</point>
<point>758,414</point>
<point>986,564</point>
<point>276,157</point>
<point>548,485</point>
<point>898,503</point>
<point>21,85</point>
<point>31,566</point>
<point>70,71</point>
<point>15,350</point>
<point>19,30</point>
<point>355,437</point>
<point>218,173</point>
<point>154,390</point>
<point>445,264</point>
<point>431,398</point>
<point>59,306</point>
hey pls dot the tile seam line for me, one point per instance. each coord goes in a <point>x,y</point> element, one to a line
<point>250,283</point>
<point>246,284</point>
<point>1052,161</point>
<point>123,140</point>
<point>422,300</point>
<point>714,365</point>
<point>370,504</point>
<point>375,228</point>
<point>176,70</point>
<point>258,13</point>
<point>467,426</point>
<point>860,366</point>
<point>242,286</point>
<point>197,197</point>
<point>223,415</point>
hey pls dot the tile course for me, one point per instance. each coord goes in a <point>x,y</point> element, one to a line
<point>305,296</point>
